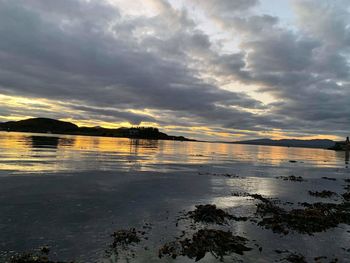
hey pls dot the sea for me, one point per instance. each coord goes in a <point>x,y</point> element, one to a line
<point>71,193</point>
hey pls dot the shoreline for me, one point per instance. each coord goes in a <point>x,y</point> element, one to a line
<point>162,139</point>
<point>102,136</point>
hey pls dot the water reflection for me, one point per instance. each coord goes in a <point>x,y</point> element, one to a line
<point>36,141</point>
<point>76,214</point>
<point>25,152</point>
<point>43,141</point>
<point>136,144</point>
<point>345,156</point>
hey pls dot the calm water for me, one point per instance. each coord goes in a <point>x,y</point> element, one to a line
<point>40,153</point>
<point>72,192</point>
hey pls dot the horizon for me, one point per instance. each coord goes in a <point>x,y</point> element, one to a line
<point>160,130</point>
<point>214,71</point>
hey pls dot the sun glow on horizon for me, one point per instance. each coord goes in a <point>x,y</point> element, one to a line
<point>39,107</point>
<point>211,70</point>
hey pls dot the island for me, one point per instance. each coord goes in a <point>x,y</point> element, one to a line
<point>47,125</point>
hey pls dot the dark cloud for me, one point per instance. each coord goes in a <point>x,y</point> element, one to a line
<point>306,69</point>
<point>100,63</point>
<point>112,115</point>
<point>45,59</point>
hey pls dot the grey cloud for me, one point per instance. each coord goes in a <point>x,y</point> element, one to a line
<point>226,7</point>
<point>283,51</point>
<point>326,20</point>
<point>112,114</point>
<point>100,63</point>
<point>300,68</point>
<point>226,12</point>
<point>94,67</point>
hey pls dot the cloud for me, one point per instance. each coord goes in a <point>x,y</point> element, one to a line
<point>98,62</point>
<point>225,8</point>
<point>305,68</point>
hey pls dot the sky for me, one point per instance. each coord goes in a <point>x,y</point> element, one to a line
<point>206,69</point>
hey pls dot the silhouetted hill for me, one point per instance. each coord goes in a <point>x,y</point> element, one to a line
<point>41,125</point>
<point>316,143</point>
<point>45,125</point>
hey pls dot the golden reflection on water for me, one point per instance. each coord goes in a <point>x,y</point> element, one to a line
<point>25,152</point>
<point>278,155</point>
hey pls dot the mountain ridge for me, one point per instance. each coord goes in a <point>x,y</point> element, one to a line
<point>312,143</point>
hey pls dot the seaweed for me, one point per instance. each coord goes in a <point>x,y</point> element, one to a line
<point>260,197</point>
<point>292,178</point>
<point>211,214</point>
<point>217,242</point>
<point>313,218</point>
<point>329,178</point>
<point>42,256</point>
<point>125,238</point>
<point>240,194</point>
<point>227,175</point>
<point>295,258</point>
<point>322,194</point>
<point>346,196</point>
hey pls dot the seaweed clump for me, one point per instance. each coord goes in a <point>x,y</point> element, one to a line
<point>125,237</point>
<point>30,258</point>
<point>346,196</point>
<point>240,194</point>
<point>295,258</point>
<point>329,178</point>
<point>217,242</point>
<point>211,214</point>
<point>34,257</point>
<point>322,194</point>
<point>228,175</point>
<point>123,244</point>
<point>292,178</point>
<point>260,197</point>
<point>313,218</point>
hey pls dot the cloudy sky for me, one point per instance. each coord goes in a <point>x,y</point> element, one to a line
<point>206,69</point>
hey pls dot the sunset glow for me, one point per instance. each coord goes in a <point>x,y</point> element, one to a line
<point>212,70</point>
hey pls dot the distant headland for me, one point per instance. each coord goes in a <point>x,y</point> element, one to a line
<point>342,146</point>
<point>314,143</point>
<point>46,125</point>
